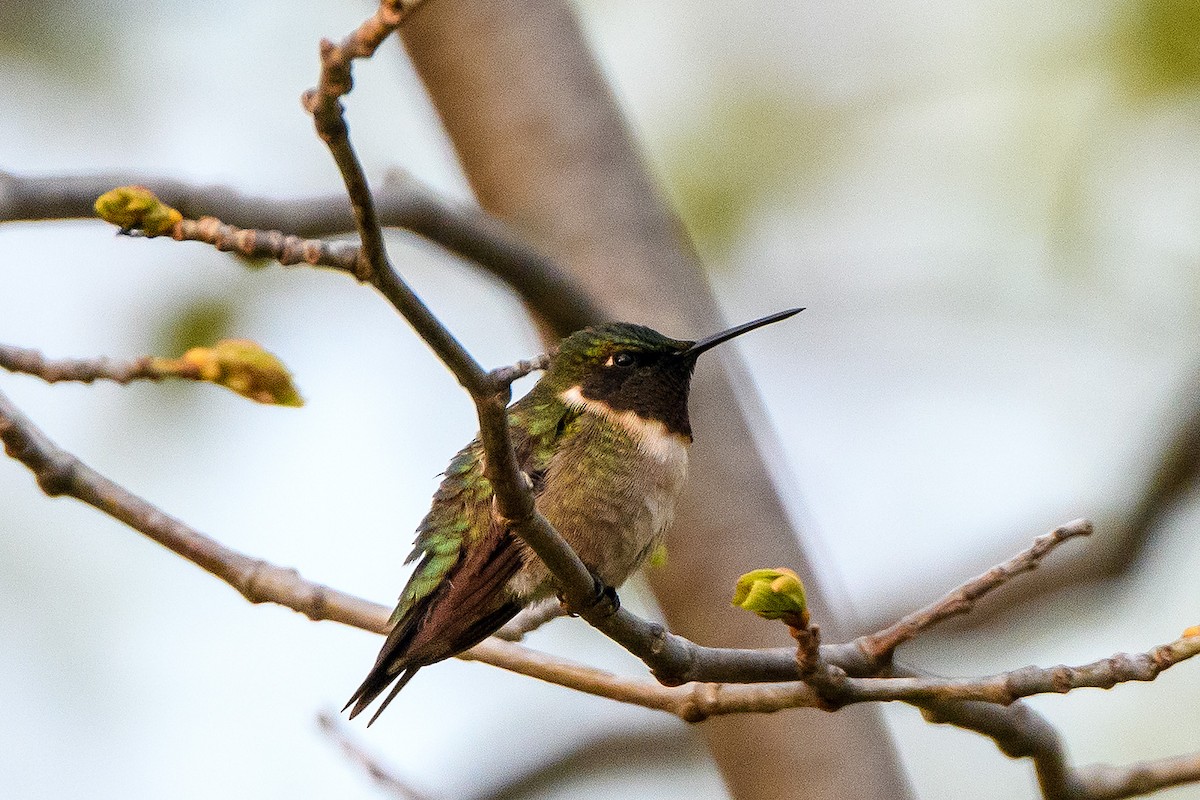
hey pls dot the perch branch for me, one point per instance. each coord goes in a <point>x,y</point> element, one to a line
<point>512,494</point>
<point>1016,729</point>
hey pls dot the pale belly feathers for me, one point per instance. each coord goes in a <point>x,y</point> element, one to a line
<point>610,491</point>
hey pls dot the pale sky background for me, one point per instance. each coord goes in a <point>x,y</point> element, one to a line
<point>996,238</point>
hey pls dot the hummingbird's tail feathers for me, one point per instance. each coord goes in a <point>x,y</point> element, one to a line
<point>400,684</point>
<point>373,686</point>
<point>387,669</point>
<point>445,610</point>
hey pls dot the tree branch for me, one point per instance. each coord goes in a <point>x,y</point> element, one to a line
<point>879,646</point>
<point>60,473</point>
<point>386,779</point>
<point>1007,687</point>
<point>1105,782</point>
<point>529,619</point>
<point>403,202</point>
<point>251,243</point>
<point>513,502</point>
<point>1017,730</point>
<point>82,370</point>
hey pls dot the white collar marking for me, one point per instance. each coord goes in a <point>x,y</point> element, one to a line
<point>652,436</point>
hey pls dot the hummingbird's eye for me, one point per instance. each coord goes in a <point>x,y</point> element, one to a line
<point>622,359</point>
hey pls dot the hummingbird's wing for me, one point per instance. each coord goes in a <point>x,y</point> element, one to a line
<point>457,596</point>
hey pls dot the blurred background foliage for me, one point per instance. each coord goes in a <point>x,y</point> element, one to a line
<point>750,149</point>
<point>197,323</point>
<point>1156,47</point>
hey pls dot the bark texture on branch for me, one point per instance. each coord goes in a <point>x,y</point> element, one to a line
<point>545,148</point>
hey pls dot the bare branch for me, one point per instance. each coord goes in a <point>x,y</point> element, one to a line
<point>1007,687</point>
<point>879,646</point>
<point>372,265</point>
<point>252,243</point>
<point>1105,782</point>
<point>386,779</point>
<point>60,473</point>
<point>1017,730</point>
<point>403,202</point>
<point>529,619</point>
<point>512,493</point>
<point>82,370</point>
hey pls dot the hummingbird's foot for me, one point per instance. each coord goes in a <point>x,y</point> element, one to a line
<point>566,605</point>
<point>603,596</point>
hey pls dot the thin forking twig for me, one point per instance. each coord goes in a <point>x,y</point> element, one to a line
<point>879,646</point>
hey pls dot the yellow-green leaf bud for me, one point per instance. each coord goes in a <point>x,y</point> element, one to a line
<point>246,368</point>
<point>773,594</point>
<point>137,208</point>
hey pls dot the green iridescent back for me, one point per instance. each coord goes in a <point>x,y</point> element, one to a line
<point>461,510</point>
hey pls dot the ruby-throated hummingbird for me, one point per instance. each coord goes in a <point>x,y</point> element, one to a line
<point>603,436</point>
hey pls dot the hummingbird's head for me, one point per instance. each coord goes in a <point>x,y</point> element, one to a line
<point>633,374</point>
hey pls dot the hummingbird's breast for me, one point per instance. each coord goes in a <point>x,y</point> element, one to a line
<point>610,491</point>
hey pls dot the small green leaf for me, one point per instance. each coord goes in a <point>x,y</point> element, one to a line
<point>137,208</point>
<point>773,594</point>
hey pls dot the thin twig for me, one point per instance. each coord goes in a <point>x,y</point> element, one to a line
<point>82,370</point>
<point>879,646</point>
<point>385,778</point>
<point>276,245</point>
<point>529,619</point>
<point>512,494</point>
<point>402,202</point>
<point>1106,782</point>
<point>1007,687</point>
<point>372,265</point>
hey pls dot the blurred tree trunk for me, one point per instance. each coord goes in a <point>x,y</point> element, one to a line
<point>545,147</point>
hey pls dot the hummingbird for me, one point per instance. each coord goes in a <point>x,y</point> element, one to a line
<point>603,437</point>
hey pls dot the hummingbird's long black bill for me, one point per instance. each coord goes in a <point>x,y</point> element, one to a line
<point>710,342</point>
